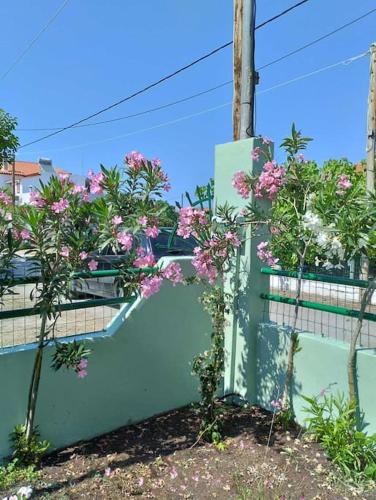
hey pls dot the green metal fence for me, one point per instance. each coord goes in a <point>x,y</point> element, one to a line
<point>329,304</point>
<point>20,317</point>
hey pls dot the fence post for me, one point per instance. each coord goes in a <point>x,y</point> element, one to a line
<point>245,282</point>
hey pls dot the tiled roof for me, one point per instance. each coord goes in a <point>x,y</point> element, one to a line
<point>27,169</point>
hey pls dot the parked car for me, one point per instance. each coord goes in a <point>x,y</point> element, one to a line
<point>109,286</point>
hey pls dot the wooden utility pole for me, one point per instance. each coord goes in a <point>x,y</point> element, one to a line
<point>371,123</point>
<point>244,68</point>
<point>238,21</point>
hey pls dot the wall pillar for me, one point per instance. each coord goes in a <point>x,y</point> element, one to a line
<point>245,280</point>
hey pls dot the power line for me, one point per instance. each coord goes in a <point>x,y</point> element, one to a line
<point>345,62</point>
<point>317,40</point>
<point>188,98</point>
<point>30,45</point>
<point>158,82</point>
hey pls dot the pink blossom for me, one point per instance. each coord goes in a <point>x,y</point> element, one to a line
<point>343,184</point>
<point>82,364</point>
<point>36,199</point>
<point>150,285</point>
<point>166,187</point>
<point>204,265</point>
<point>189,219</point>
<point>25,234</point>
<point>135,160</point>
<point>270,181</point>
<point>274,230</point>
<point>240,182</point>
<point>255,154</point>
<point>83,255</point>
<point>65,251</point>
<point>173,273</point>
<point>125,239</point>
<point>116,220</point>
<point>78,188</point>
<point>143,220</point>
<point>5,198</point>
<point>60,206</point>
<point>85,196</point>
<point>276,404</point>
<point>63,177</point>
<point>82,373</point>
<point>92,265</point>
<point>156,162</point>
<point>144,261</point>
<point>96,181</point>
<point>233,238</point>
<point>266,140</point>
<point>266,255</point>
<point>152,232</point>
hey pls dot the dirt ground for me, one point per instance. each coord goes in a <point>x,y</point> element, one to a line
<point>160,458</point>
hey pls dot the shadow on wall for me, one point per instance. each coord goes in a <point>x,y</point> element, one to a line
<point>272,348</point>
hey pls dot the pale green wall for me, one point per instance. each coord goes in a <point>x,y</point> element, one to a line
<point>142,370</point>
<point>320,363</point>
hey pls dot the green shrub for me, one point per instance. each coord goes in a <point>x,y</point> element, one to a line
<point>27,453</point>
<point>333,423</point>
<point>14,472</point>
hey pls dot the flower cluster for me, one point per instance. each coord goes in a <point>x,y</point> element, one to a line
<point>96,180</point>
<point>204,264</point>
<point>81,368</point>
<point>189,219</point>
<point>241,183</point>
<point>343,184</point>
<point>270,181</point>
<point>151,285</point>
<point>125,239</point>
<point>5,199</point>
<point>265,255</point>
<point>135,160</point>
<point>173,273</point>
<point>37,200</point>
<point>60,206</point>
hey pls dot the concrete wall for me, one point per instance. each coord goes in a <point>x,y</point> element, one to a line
<point>320,364</point>
<point>140,367</point>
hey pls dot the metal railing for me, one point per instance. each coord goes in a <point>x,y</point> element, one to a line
<point>324,299</point>
<point>20,324</point>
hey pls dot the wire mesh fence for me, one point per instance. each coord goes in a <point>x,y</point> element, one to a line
<point>24,329</point>
<point>321,323</point>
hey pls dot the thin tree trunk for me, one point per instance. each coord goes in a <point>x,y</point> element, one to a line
<point>34,383</point>
<point>351,363</point>
<point>286,398</point>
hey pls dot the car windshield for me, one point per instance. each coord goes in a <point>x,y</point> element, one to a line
<point>179,245</point>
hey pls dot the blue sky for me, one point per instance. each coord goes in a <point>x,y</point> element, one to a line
<point>98,51</point>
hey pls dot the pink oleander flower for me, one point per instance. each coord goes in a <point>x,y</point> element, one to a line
<point>63,177</point>
<point>152,232</point>
<point>240,182</point>
<point>255,154</point>
<point>36,199</point>
<point>233,238</point>
<point>85,196</point>
<point>266,140</point>
<point>96,182</point>
<point>189,219</point>
<point>135,160</point>
<point>60,206</point>
<point>82,365</point>
<point>276,404</point>
<point>343,184</point>
<point>166,187</point>
<point>125,239</point>
<point>92,265</point>
<point>116,220</point>
<point>266,255</point>
<point>82,373</point>
<point>5,198</point>
<point>78,188</point>
<point>83,255</point>
<point>150,285</point>
<point>144,261</point>
<point>204,265</point>
<point>173,273</point>
<point>65,251</point>
<point>156,162</point>
<point>275,230</point>
<point>25,234</point>
<point>143,220</point>
<point>270,181</point>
